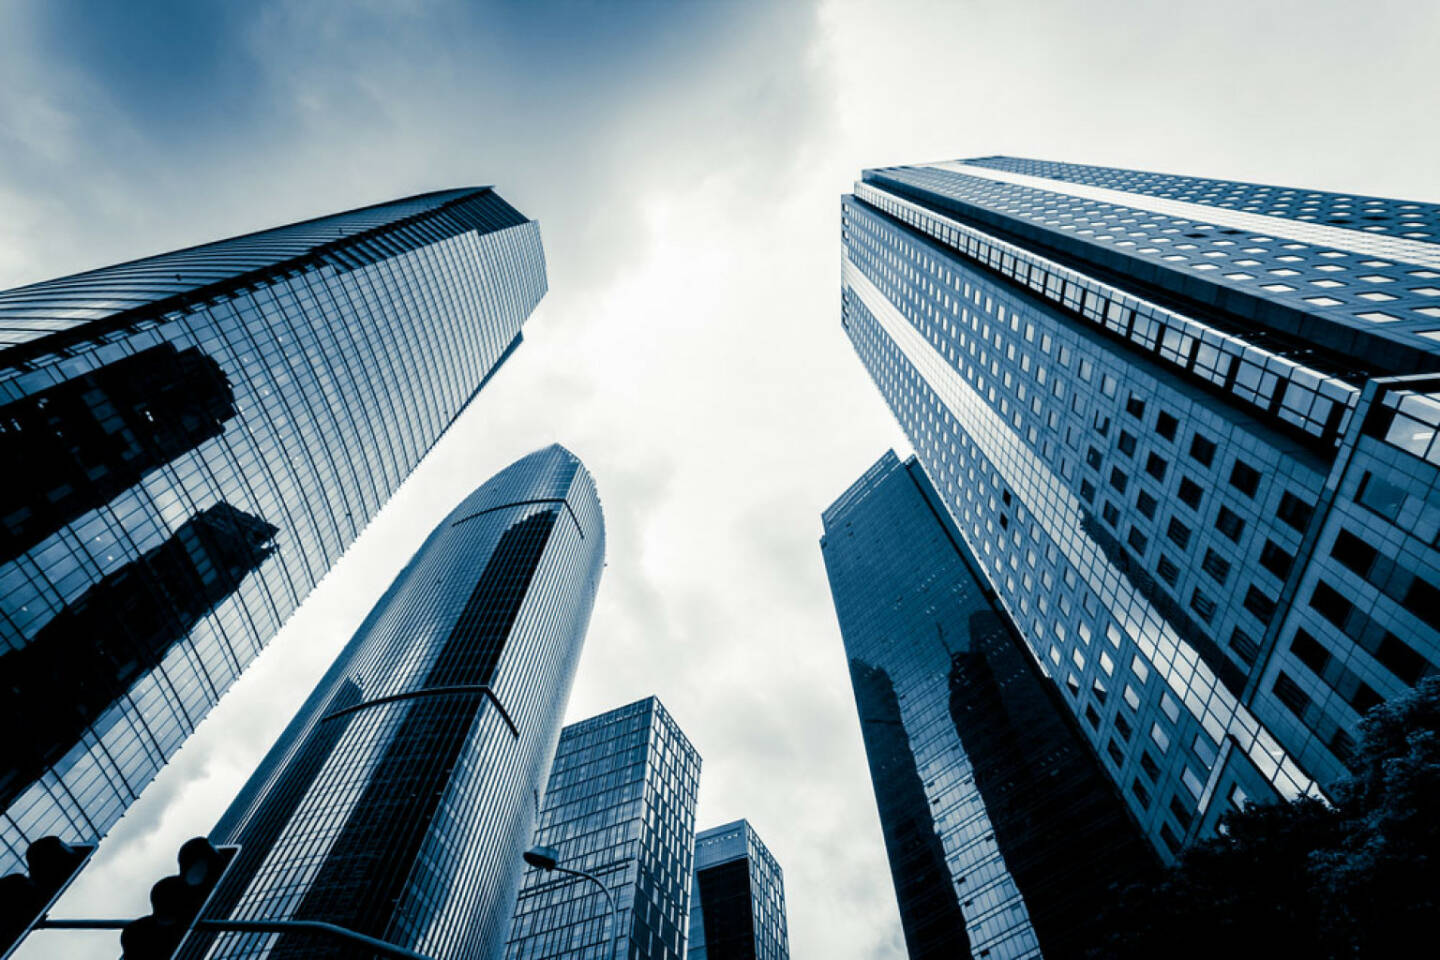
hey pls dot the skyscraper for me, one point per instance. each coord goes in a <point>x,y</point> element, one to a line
<point>737,906</point>
<point>1004,835</point>
<point>203,433</point>
<point>620,805</point>
<point>400,798</point>
<point>1187,427</point>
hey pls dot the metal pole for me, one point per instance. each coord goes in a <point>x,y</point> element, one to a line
<point>614,910</point>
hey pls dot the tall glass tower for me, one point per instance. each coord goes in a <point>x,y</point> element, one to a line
<point>620,805</point>
<point>737,906</point>
<point>1002,831</point>
<point>1188,429</point>
<point>400,798</point>
<point>203,432</point>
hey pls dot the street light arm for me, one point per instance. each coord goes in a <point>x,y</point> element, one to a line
<point>254,926</point>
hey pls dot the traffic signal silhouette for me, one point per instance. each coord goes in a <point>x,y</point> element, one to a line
<point>177,901</point>
<point>24,898</point>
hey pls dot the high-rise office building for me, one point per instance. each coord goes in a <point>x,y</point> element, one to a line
<point>737,906</point>
<point>621,806</point>
<point>399,800</point>
<point>1005,837</point>
<point>203,432</point>
<point>1188,429</point>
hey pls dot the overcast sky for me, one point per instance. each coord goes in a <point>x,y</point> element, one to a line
<point>685,162</point>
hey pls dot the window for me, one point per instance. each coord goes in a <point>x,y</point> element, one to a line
<point>1353,552</point>
<point>1217,566</point>
<point>1165,425</point>
<point>1092,457</point>
<point>1135,407</point>
<point>1127,444</point>
<point>1423,600</point>
<point>1159,737</point>
<point>1229,524</point>
<point>1087,491</point>
<point>1288,692</point>
<point>1147,763</point>
<point>1102,424</point>
<point>1259,604</point>
<point>1141,794</point>
<point>1244,646</point>
<point>1202,605</point>
<point>1294,511</point>
<point>1131,697</point>
<point>1178,533</point>
<point>1245,478</point>
<point>1182,814</point>
<point>1190,493</point>
<point>1107,385</point>
<point>1092,717</point>
<point>1330,604</point>
<point>1122,727</point>
<point>1111,515</point>
<point>1117,756</point>
<point>1396,656</point>
<point>1202,450</point>
<point>1310,652</point>
<point>1155,466</point>
<point>1167,570</point>
<point>1383,498</point>
<point>1118,479</point>
<point>1138,541</point>
<point>1146,505</point>
<point>1276,560</point>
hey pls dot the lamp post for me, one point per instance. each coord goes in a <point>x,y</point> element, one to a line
<point>548,858</point>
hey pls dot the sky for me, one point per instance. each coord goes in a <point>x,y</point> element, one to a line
<point>685,162</point>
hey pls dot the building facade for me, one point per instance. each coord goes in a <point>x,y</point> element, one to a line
<point>203,434</point>
<point>737,904</point>
<point>1005,837</point>
<point>399,800</point>
<point>621,806</point>
<point>1187,428</point>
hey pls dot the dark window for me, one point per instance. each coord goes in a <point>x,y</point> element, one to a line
<point>1396,656</point>
<point>1190,493</point>
<point>1215,565</point>
<point>1384,498</point>
<point>1092,716</point>
<point>1005,496</point>
<point>1202,450</point>
<point>1167,570</point>
<point>1122,726</point>
<point>1353,552</point>
<point>1118,480</point>
<point>1245,478</point>
<point>1423,600</point>
<point>1295,512</point>
<point>1309,651</point>
<point>1117,756</point>
<point>1102,423</point>
<point>1138,541</point>
<point>1147,763</point>
<point>1229,524</point>
<point>1244,646</point>
<point>1146,504</point>
<point>1259,604</point>
<point>1092,457</point>
<point>1135,407</point>
<point>1202,605</point>
<point>1290,694</point>
<point>1087,491</point>
<point>1165,425</point>
<point>1178,533</point>
<point>1182,813</point>
<point>1127,444</point>
<point>1330,604</point>
<point>1276,560</point>
<point>1171,841</point>
<point>1141,794</point>
<point>1343,746</point>
<point>1155,466</point>
<point>1364,699</point>
<point>1111,515</point>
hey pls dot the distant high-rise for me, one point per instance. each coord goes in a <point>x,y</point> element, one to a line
<point>202,433</point>
<point>620,805</point>
<point>1004,835</point>
<point>399,800</point>
<point>1188,429</point>
<point>737,906</point>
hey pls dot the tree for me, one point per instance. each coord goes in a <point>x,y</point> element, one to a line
<point>1360,878</point>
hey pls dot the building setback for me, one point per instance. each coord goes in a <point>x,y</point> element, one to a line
<point>737,906</point>
<point>399,800</point>
<point>1004,835</point>
<point>1187,427</point>
<point>203,433</point>
<point>620,805</point>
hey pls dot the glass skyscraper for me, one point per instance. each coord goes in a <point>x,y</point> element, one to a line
<point>1188,429</point>
<point>202,433</point>
<point>620,805</point>
<point>737,906</point>
<point>399,800</point>
<point>1004,836</point>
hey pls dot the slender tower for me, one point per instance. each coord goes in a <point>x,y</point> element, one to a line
<point>737,905</point>
<point>203,433</point>
<point>399,800</point>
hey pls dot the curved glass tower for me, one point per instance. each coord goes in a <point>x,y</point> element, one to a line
<point>399,800</point>
<point>203,433</point>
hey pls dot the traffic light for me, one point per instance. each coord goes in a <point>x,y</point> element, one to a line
<point>176,902</point>
<point>24,898</point>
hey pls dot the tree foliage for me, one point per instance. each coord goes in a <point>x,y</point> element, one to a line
<point>1360,878</point>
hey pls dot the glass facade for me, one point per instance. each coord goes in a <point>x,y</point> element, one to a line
<point>1163,412</point>
<point>203,433</point>
<point>400,798</point>
<point>620,805</point>
<point>1005,837</point>
<point>737,906</point>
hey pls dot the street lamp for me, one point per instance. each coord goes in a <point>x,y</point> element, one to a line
<point>548,858</point>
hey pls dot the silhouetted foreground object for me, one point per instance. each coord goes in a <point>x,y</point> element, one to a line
<point>51,864</point>
<point>620,805</point>
<point>737,909</point>
<point>1004,836</point>
<point>1361,879</point>
<point>288,380</point>
<point>399,800</point>
<point>1189,430</point>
